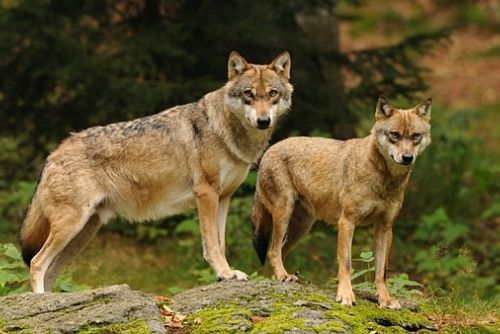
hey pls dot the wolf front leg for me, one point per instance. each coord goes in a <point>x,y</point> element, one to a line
<point>224,203</point>
<point>207,200</point>
<point>345,295</point>
<point>383,240</point>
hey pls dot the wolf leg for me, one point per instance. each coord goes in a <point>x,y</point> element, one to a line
<point>71,250</point>
<point>62,230</point>
<point>281,214</point>
<point>207,201</point>
<point>345,295</point>
<point>383,240</point>
<point>300,224</point>
<point>224,203</point>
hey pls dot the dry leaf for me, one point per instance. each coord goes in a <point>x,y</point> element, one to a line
<point>256,319</point>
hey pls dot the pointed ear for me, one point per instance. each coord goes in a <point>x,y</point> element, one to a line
<point>424,109</point>
<point>236,65</point>
<point>281,65</point>
<point>383,109</point>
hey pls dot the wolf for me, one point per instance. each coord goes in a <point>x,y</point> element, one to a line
<point>360,181</point>
<point>193,155</point>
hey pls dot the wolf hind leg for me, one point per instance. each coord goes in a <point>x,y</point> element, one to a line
<point>65,223</point>
<point>61,232</point>
<point>71,250</point>
<point>281,214</point>
<point>262,228</point>
<point>300,224</point>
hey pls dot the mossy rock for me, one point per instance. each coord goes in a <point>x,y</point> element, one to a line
<point>268,307</point>
<point>110,310</point>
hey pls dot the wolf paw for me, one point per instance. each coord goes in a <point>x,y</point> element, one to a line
<point>392,304</point>
<point>288,278</point>
<point>232,275</point>
<point>346,298</point>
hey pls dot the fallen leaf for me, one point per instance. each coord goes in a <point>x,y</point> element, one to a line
<point>160,299</point>
<point>256,319</point>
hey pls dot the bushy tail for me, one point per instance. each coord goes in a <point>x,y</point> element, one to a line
<point>262,229</point>
<point>35,229</point>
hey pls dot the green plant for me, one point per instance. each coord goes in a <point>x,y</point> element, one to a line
<point>13,203</point>
<point>362,279</point>
<point>448,254</point>
<point>14,276</point>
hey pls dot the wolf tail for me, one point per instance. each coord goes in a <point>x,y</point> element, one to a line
<point>262,228</point>
<point>35,228</point>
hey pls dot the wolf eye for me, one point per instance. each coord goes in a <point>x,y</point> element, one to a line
<point>416,136</point>
<point>273,92</point>
<point>394,135</point>
<point>248,93</point>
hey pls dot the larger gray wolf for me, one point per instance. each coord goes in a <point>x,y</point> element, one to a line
<point>355,182</point>
<point>194,155</point>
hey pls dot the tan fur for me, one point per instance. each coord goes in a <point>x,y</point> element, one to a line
<point>355,182</point>
<point>195,155</point>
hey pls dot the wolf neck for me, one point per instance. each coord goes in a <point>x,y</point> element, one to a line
<point>399,174</point>
<point>244,142</point>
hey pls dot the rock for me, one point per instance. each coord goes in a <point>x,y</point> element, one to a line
<point>257,307</point>
<point>268,307</point>
<point>116,307</point>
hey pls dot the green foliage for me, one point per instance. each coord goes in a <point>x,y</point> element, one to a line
<point>13,203</point>
<point>14,276</point>
<point>448,262</point>
<point>402,286</point>
<point>366,273</point>
<point>363,279</point>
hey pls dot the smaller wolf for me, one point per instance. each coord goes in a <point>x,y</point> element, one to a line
<point>355,182</point>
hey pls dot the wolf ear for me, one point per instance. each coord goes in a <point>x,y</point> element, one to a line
<point>424,109</point>
<point>383,109</point>
<point>236,65</point>
<point>281,65</point>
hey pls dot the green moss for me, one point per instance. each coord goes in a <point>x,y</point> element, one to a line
<point>131,327</point>
<point>364,317</point>
<point>219,318</point>
<point>333,326</point>
<point>317,298</point>
<point>280,320</point>
<point>16,329</point>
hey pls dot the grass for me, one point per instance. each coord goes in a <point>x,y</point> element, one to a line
<point>452,312</point>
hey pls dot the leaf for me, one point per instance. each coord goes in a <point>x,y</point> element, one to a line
<point>12,265</point>
<point>256,319</point>
<point>11,251</point>
<point>362,272</point>
<point>188,226</point>
<point>7,277</point>
<point>366,256</point>
<point>453,232</point>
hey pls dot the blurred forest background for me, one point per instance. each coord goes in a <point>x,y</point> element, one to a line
<point>69,65</point>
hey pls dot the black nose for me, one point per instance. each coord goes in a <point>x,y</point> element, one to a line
<point>407,159</point>
<point>263,122</point>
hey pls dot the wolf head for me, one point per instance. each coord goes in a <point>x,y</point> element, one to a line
<point>402,134</point>
<point>258,94</point>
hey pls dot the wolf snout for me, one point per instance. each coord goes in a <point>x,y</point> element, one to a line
<point>407,159</point>
<point>263,122</point>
